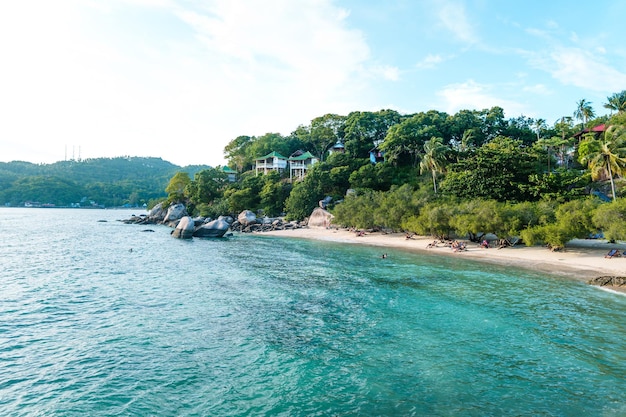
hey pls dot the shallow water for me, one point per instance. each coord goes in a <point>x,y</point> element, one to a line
<point>260,325</point>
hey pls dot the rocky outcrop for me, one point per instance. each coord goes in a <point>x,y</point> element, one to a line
<point>320,218</point>
<point>214,228</point>
<point>159,215</point>
<point>185,228</point>
<point>246,218</point>
<point>175,212</point>
<point>608,281</point>
<point>248,222</point>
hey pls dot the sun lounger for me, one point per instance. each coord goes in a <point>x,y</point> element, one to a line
<point>613,253</point>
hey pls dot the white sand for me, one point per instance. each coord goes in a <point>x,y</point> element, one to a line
<point>581,259</point>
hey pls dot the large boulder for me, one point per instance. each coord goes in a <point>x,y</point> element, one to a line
<point>175,212</point>
<point>320,218</point>
<point>215,228</point>
<point>185,228</point>
<point>246,218</point>
<point>157,213</point>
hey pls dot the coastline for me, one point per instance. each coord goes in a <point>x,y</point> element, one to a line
<point>581,260</point>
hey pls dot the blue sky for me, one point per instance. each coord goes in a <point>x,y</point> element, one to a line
<point>179,79</point>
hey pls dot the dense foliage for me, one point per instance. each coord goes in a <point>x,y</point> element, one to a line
<point>468,174</point>
<point>108,182</point>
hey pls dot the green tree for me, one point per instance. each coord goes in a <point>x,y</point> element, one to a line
<point>616,102</point>
<point>497,170</point>
<point>207,185</point>
<point>364,130</point>
<point>273,194</point>
<point>605,156</point>
<point>434,159</point>
<point>611,219</point>
<point>405,141</point>
<point>357,210</point>
<point>324,132</point>
<point>236,153</point>
<point>176,187</point>
<point>245,194</point>
<point>560,185</point>
<point>574,219</point>
<point>432,220</point>
<point>378,177</point>
<point>584,111</point>
<point>475,218</point>
<point>539,125</point>
<point>398,204</point>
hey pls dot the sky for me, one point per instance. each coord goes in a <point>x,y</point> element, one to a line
<point>180,79</point>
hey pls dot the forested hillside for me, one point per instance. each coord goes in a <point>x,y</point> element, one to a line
<point>434,173</point>
<point>108,182</point>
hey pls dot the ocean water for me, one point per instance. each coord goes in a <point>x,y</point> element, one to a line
<point>254,325</point>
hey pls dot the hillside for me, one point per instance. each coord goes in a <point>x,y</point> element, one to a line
<point>109,182</point>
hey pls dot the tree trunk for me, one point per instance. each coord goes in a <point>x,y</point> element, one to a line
<point>608,163</point>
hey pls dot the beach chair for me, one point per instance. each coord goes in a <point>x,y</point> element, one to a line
<point>613,253</point>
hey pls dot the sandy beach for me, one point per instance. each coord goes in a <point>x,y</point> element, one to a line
<point>581,260</point>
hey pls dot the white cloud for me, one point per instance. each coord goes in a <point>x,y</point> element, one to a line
<point>474,96</point>
<point>386,72</point>
<point>430,61</point>
<point>180,83</point>
<point>538,89</point>
<point>578,67</point>
<point>453,17</point>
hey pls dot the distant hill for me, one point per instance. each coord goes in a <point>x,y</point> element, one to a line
<point>109,182</point>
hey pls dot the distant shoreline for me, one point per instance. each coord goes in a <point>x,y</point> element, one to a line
<point>582,259</point>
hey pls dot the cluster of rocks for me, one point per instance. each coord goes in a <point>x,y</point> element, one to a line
<point>248,222</point>
<point>176,216</point>
<point>160,215</point>
<point>185,227</point>
<point>608,281</point>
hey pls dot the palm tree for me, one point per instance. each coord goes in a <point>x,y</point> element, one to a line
<point>616,102</point>
<point>539,125</point>
<point>607,156</point>
<point>433,159</point>
<point>584,111</point>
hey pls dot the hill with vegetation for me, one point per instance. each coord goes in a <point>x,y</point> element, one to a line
<point>462,174</point>
<point>100,182</point>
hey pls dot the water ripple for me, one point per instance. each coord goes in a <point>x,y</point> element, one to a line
<point>254,325</point>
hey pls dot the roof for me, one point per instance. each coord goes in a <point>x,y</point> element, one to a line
<point>302,157</point>
<point>271,155</point>
<point>596,129</point>
<point>229,170</point>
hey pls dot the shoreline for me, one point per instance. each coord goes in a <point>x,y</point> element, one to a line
<point>581,260</point>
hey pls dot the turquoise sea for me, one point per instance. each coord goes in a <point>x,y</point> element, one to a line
<point>253,325</point>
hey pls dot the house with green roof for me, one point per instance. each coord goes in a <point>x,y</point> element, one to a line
<point>270,162</point>
<point>299,163</point>
<point>231,174</point>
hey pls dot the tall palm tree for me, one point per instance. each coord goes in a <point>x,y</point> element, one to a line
<point>616,102</point>
<point>584,111</point>
<point>609,156</point>
<point>539,125</point>
<point>433,159</point>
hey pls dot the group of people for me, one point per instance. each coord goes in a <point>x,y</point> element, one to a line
<point>457,246</point>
